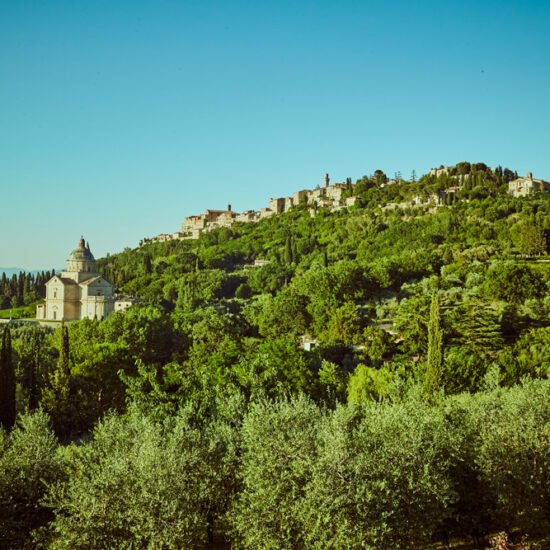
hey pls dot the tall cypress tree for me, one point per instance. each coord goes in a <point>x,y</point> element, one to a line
<point>288,250</point>
<point>34,366</point>
<point>7,382</point>
<point>434,368</point>
<point>147,264</point>
<point>294,252</point>
<point>58,396</point>
<point>63,362</point>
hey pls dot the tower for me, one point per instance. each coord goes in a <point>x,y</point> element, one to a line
<point>327,180</point>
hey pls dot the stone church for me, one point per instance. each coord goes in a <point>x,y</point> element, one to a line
<point>78,292</point>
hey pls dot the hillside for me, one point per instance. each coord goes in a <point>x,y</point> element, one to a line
<point>359,377</point>
<point>339,280</point>
<point>379,255</point>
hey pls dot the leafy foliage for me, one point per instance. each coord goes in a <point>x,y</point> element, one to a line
<point>198,412</point>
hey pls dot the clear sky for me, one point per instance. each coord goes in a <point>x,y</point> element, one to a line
<point>120,118</point>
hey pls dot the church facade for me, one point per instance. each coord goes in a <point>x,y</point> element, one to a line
<point>78,292</point>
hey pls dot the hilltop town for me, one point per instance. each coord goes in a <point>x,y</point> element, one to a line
<point>335,197</point>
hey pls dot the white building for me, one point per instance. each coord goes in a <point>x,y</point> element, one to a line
<point>78,292</point>
<point>528,185</point>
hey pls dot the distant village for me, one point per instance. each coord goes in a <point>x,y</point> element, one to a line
<point>330,196</point>
<point>334,197</point>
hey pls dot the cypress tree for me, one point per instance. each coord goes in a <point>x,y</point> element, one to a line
<point>13,285</point>
<point>34,367</point>
<point>294,252</point>
<point>7,382</point>
<point>147,264</point>
<point>63,361</point>
<point>434,367</point>
<point>58,396</point>
<point>288,251</point>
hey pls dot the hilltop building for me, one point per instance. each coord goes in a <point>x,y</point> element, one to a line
<point>331,196</point>
<point>193,226</point>
<point>321,196</point>
<point>528,185</point>
<point>79,292</point>
<point>441,171</point>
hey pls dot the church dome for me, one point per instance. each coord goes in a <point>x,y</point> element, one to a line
<point>82,253</point>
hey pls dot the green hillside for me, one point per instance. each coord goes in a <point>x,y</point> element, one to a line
<point>379,381</point>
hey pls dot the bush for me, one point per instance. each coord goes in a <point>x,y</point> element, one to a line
<point>512,282</point>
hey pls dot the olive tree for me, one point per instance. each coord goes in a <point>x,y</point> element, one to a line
<point>380,480</point>
<point>143,484</point>
<point>29,460</point>
<point>514,455</point>
<point>279,452</point>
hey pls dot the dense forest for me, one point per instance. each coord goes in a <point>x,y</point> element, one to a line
<point>380,381</point>
<point>23,289</point>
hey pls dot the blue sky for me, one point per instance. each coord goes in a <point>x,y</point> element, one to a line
<point>118,119</point>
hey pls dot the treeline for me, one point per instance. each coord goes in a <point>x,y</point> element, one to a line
<point>285,473</point>
<point>23,289</point>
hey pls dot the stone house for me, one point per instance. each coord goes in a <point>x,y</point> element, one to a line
<point>307,343</point>
<point>122,303</point>
<point>528,185</point>
<point>211,216</point>
<point>265,213</point>
<point>247,216</point>
<point>225,219</point>
<point>316,193</point>
<point>193,222</point>
<point>441,171</point>
<point>335,191</point>
<point>299,195</point>
<point>277,205</point>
